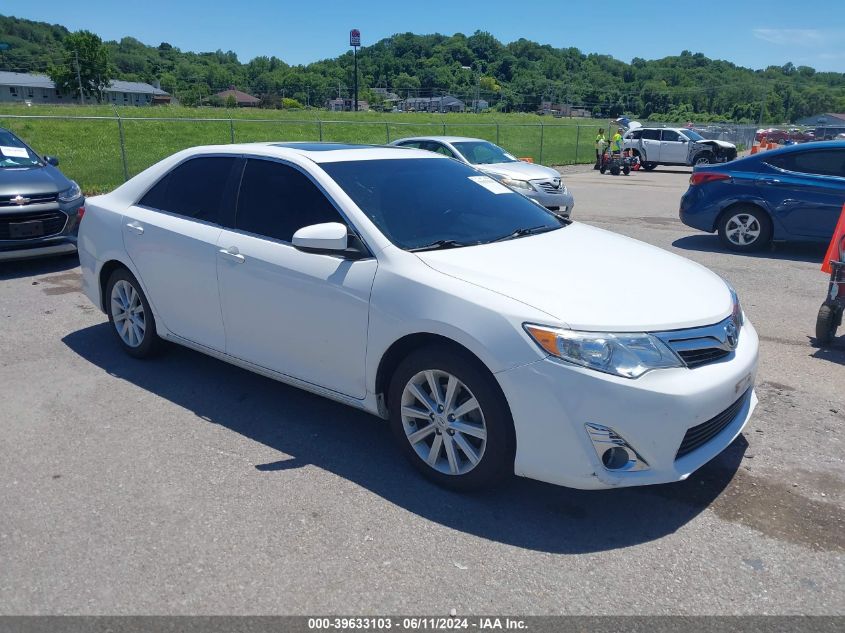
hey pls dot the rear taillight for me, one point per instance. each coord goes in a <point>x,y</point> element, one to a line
<point>699,178</point>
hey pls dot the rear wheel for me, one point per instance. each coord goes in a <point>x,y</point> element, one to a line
<point>626,169</point>
<point>614,169</point>
<point>130,315</point>
<point>649,166</point>
<point>826,324</point>
<point>745,228</point>
<point>451,420</point>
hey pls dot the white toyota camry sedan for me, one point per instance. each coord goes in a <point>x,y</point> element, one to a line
<point>495,336</point>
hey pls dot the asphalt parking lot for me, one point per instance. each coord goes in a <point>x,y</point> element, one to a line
<point>183,485</point>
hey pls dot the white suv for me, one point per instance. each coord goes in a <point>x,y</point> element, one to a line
<point>675,146</point>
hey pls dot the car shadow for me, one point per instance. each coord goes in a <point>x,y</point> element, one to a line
<point>359,447</point>
<point>660,170</point>
<point>797,252</point>
<point>833,352</point>
<point>17,269</point>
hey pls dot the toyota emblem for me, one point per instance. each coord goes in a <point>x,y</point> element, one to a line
<point>731,334</point>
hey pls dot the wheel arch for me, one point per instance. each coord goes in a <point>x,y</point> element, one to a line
<point>742,203</point>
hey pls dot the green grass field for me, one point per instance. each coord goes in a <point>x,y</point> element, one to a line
<point>90,153</point>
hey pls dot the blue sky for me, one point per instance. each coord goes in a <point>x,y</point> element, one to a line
<point>754,34</point>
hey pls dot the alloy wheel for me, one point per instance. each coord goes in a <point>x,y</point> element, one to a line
<point>127,310</point>
<point>443,422</point>
<point>743,229</point>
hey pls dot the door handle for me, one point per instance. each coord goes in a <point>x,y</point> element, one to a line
<point>232,255</point>
<point>135,227</point>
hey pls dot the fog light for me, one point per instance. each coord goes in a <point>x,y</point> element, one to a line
<point>613,451</point>
<point>615,458</point>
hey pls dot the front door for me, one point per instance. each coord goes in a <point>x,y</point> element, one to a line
<point>673,147</point>
<point>171,237</point>
<point>300,314</point>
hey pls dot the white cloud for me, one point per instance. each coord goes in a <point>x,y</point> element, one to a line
<point>794,37</point>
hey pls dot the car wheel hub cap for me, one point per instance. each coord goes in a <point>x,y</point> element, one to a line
<point>443,422</point>
<point>743,229</point>
<point>128,313</point>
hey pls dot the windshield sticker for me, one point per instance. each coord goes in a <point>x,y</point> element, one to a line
<point>490,185</point>
<point>14,152</point>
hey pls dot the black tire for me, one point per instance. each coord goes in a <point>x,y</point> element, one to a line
<point>602,169</point>
<point>615,170</point>
<point>764,226</point>
<point>497,457</point>
<point>826,324</point>
<point>150,343</point>
<point>649,166</point>
<point>626,169</point>
<point>704,158</point>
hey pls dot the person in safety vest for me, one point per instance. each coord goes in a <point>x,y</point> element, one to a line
<point>601,143</point>
<point>616,142</point>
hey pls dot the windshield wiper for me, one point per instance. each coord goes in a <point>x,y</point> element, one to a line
<point>526,231</point>
<point>440,244</point>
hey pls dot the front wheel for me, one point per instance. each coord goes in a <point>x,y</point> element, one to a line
<point>649,166</point>
<point>826,324</point>
<point>704,158</point>
<point>130,315</point>
<point>451,420</point>
<point>745,228</point>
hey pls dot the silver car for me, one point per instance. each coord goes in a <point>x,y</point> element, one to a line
<point>542,184</point>
<point>40,208</point>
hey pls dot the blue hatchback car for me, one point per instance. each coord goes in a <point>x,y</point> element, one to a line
<point>794,194</point>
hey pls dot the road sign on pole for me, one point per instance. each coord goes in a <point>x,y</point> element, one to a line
<point>355,42</point>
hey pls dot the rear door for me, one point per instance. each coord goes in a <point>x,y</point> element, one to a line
<point>300,314</point>
<point>650,140</point>
<point>674,148</point>
<point>806,190</point>
<point>171,236</point>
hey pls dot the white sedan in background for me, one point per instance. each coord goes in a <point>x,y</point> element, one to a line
<point>496,336</point>
<point>542,184</point>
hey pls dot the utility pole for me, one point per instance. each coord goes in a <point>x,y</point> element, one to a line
<point>355,42</point>
<point>79,79</point>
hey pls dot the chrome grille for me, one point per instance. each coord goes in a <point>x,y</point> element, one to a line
<point>698,436</point>
<point>41,198</point>
<point>701,346</point>
<point>53,222</point>
<point>551,186</point>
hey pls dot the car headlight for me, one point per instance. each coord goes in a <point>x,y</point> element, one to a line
<point>516,184</point>
<point>737,314</point>
<point>70,194</point>
<point>626,354</point>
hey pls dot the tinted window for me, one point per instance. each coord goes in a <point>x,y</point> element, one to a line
<point>464,206</point>
<point>277,200</point>
<point>483,153</point>
<point>693,135</point>
<point>651,135</point>
<point>195,188</point>
<point>636,134</point>
<point>671,135</point>
<point>826,162</point>
<point>440,149</point>
<point>414,144</point>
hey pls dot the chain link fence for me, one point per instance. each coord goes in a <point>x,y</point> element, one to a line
<point>101,152</point>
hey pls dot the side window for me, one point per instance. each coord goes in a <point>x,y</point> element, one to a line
<point>414,144</point>
<point>195,189</point>
<point>277,200</point>
<point>635,135</point>
<point>651,135</point>
<point>826,162</point>
<point>671,135</point>
<point>439,149</point>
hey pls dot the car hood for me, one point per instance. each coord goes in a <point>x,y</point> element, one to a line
<point>590,279</point>
<point>32,180</point>
<point>724,144</point>
<point>520,170</point>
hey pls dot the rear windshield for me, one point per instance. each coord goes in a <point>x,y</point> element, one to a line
<point>13,152</point>
<point>417,202</point>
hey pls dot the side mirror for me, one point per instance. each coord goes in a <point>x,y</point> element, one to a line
<point>328,238</point>
<point>51,160</point>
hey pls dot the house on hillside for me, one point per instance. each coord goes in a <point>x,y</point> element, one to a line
<point>828,118</point>
<point>446,103</point>
<point>35,89</point>
<point>346,105</point>
<point>242,99</point>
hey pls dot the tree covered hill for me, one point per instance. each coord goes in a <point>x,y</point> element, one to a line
<point>512,77</point>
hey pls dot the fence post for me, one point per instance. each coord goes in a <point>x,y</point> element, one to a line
<point>577,141</point>
<point>542,127</point>
<point>444,129</point>
<point>320,128</point>
<point>231,129</point>
<point>497,134</point>
<point>387,131</point>
<point>122,145</point>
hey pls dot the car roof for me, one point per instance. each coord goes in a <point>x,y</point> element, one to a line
<point>444,139</point>
<point>316,152</point>
<point>797,147</point>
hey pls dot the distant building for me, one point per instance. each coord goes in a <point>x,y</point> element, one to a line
<point>562,110</point>
<point>34,89</point>
<point>478,106</point>
<point>242,99</point>
<point>446,103</point>
<point>828,118</point>
<point>346,105</point>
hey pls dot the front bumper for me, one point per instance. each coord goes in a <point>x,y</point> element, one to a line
<point>552,401</point>
<point>560,202</point>
<point>60,241</point>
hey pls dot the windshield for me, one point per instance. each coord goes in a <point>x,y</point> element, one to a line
<point>483,153</point>
<point>693,136</point>
<point>13,152</point>
<point>437,203</point>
